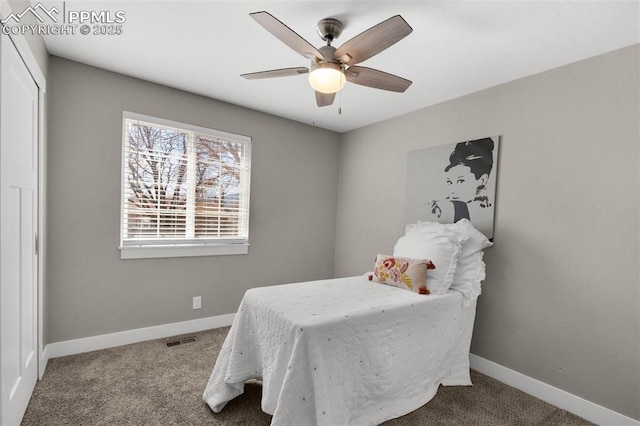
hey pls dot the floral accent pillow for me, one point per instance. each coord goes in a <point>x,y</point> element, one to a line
<point>403,272</point>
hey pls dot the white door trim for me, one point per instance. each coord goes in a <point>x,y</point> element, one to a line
<point>19,128</point>
<point>42,239</point>
<point>21,44</point>
<point>20,41</point>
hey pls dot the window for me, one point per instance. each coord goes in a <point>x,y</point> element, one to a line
<point>185,190</point>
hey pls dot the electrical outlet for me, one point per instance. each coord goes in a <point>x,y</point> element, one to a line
<point>197,302</point>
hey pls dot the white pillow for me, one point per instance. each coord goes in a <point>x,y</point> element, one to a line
<point>468,277</point>
<point>470,270</point>
<point>441,247</point>
<point>476,240</point>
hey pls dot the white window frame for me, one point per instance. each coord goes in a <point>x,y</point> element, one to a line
<point>184,247</point>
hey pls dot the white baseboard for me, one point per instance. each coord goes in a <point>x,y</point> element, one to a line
<point>44,359</point>
<point>565,400</point>
<point>104,341</point>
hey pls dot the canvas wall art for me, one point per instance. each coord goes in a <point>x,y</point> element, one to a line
<point>449,182</point>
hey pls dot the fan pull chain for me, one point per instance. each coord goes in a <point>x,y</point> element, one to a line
<point>340,98</point>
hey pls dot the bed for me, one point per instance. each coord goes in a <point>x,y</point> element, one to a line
<point>352,351</point>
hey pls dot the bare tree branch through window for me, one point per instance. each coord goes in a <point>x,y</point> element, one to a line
<point>181,184</point>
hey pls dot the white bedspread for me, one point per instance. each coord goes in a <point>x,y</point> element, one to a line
<point>343,352</point>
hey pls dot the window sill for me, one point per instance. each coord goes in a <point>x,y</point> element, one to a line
<point>150,252</point>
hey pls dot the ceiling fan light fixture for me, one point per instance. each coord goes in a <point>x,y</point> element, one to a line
<point>327,77</point>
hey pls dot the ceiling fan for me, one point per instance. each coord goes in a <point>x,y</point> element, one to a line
<point>330,67</point>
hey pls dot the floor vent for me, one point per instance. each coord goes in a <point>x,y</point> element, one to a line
<point>182,341</point>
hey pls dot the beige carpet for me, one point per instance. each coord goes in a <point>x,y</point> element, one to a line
<point>151,384</point>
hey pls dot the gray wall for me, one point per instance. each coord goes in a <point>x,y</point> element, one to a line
<point>90,290</point>
<point>561,299</point>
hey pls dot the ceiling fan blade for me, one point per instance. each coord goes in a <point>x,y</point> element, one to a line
<point>324,99</point>
<point>377,79</point>
<point>373,41</point>
<point>286,35</point>
<point>282,72</point>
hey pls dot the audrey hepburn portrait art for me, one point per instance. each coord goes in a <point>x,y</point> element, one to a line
<point>451,182</point>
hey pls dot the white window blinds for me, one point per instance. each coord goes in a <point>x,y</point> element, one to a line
<point>183,186</point>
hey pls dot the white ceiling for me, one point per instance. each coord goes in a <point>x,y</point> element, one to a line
<point>456,48</point>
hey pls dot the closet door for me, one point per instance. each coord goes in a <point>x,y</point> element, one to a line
<point>18,228</point>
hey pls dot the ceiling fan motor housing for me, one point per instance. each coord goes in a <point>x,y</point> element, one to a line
<point>328,52</point>
<point>329,29</point>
